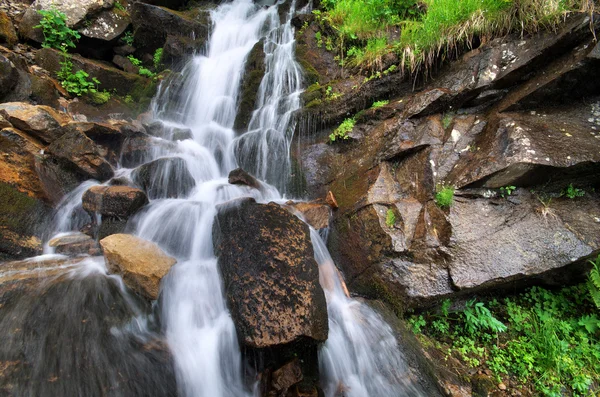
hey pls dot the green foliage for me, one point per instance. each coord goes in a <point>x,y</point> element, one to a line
<point>507,191</point>
<point>573,192</point>
<point>342,131</point>
<point>57,34</point>
<point>142,71</point>
<point>390,218</point>
<point>593,283</point>
<point>157,57</point>
<point>550,340</point>
<point>447,120</point>
<point>445,196</point>
<point>319,39</point>
<point>330,95</point>
<point>379,104</point>
<point>76,83</point>
<point>127,38</point>
<point>119,6</point>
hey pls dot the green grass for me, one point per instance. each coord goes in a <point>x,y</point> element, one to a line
<point>431,29</point>
<point>379,104</point>
<point>540,338</point>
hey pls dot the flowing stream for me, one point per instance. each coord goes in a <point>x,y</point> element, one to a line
<point>361,357</point>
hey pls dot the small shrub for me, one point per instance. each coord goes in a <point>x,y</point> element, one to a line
<point>57,34</point>
<point>390,218</point>
<point>342,131</point>
<point>157,57</point>
<point>119,6</point>
<point>379,104</point>
<point>142,71</point>
<point>75,83</point>
<point>445,196</point>
<point>127,38</point>
<point>507,190</point>
<point>573,192</point>
<point>447,120</point>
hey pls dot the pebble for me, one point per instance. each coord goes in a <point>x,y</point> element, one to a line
<point>502,386</point>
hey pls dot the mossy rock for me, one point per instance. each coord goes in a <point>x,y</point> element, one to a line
<point>311,75</point>
<point>8,34</point>
<point>254,73</point>
<point>22,219</point>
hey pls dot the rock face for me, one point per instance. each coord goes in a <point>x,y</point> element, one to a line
<point>115,201</point>
<point>141,263</point>
<point>8,75</point>
<point>42,122</point>
<point>164,178</point>
<point>253,75</point>
<point>493,119</point>
<point>7,30</point>
<point>270,275</point>
<point>241,177</point>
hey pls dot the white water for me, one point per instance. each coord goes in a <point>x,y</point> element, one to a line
<point>361,356</point>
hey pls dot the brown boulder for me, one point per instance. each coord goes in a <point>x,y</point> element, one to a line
<point>315,214</point>
<point>286,376</point>
<point>42,122</point>
<point>270,275</point>
<point>141,263</point>
<point>82,154</point>
<point>115,201</point>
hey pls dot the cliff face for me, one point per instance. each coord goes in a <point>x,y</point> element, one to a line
<point>510,128</point>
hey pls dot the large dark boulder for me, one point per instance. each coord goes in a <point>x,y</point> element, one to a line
<point>253,74</point>
<point>270,274</point>
<point>272,288</point>
<point>164,178</point>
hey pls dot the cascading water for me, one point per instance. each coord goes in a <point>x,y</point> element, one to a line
<point>361,357</point>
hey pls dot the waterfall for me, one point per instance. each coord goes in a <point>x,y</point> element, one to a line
<point>361,357</point>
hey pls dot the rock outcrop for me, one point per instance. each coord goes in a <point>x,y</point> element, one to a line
<point>114,201</point>
<point>141,263</point>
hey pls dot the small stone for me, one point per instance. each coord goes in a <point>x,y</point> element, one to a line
<point>502,386</point>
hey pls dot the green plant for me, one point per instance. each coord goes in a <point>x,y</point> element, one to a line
<point>447,120</point>
<point>319,39</point>
<point>379,104</point>
<point>444,196</point>
<point>573,192</point>
<point>157,57</point>
<point>507,191</point>
<point>142,71</point>
<point>390,218</point>
<point>330,95</point>
<point>127,38</point>
<point>593,283</point>
<point>119,6</point>
<point>57,33</point>
<point>342,131</point>
<point>76,83</point>
<point>128,99</point>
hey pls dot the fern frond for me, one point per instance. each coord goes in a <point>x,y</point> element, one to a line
<point>595,276</point>
<point>594,293</point>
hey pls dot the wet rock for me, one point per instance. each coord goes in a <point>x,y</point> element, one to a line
<point>75,244</point>
<point>270,275</point>
<point>139,149</point>
<point>8,35</point>
<point>181,134</point>
<point>315,214</point>
<point>253,75</point>
<point>164,178</point>
<point>125,64</point>
<point>155,128</point>
<point>525,150</point>
<point>109,226</point>
<point>107,25</point>
<point>141,263</point>
<point>241,177</point>
<point>286,376</point>
<point>90,313</point>
<point>177,48</point>
<point>115,201</point>
<point>82,154</point>
<point>152,25</point>
<point>42,122</point>
<point>110,77</point>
